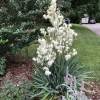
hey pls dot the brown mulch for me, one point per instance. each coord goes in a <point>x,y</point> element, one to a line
<point>19,69</point>
<point>93,90</point>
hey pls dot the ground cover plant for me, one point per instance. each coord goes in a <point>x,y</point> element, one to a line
<point>2,66</point>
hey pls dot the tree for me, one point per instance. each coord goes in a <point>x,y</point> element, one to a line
<point>80,7</point>
<point>99,4</point>
<point>65,7</point>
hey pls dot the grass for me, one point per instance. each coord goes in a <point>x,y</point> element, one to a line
<point>88,47</point>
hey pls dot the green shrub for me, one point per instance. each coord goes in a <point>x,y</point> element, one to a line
<point>2,66</point>
<point>29,51</point>
<point>18,21</point>
<point>15,38</point>
<point>98,17</point>
<point>16,92</point>
<point>74,16</point>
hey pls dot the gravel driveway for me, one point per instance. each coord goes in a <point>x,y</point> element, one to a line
<point>94,27</point>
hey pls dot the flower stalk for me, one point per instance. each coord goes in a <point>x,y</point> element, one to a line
<point>59,41</point>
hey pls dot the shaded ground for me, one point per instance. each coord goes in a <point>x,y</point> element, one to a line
<point>17,72</point>
<point>94,27</point>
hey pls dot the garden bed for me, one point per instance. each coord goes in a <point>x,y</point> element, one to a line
<point>93,90</point>
<point>19,72</point>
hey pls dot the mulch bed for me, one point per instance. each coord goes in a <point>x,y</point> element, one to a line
<point>93,90</point>
<point>16,71</point>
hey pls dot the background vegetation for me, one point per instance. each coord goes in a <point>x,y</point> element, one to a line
<point>75,9</point>
<point>20,21</point>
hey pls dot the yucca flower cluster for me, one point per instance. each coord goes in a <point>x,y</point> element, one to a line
<point>57,39</point>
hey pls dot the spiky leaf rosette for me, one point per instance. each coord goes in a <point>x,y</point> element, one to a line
<point>66,79</point>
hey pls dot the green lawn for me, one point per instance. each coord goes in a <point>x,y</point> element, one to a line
<point>88,47</point>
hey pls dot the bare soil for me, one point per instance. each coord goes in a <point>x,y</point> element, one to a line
<point>93,90</point>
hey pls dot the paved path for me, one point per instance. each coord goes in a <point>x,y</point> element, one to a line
<point>94,27</point>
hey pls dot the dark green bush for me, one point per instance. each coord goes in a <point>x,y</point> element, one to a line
<point>98,17</point>
<point>18,21</point>
<point>76,9</point>
<point>2,66</point>
<point>74,16</point>
<point>15,39</point>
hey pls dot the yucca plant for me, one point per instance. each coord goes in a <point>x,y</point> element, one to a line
<point>57,77</point>
<point>57,85</point>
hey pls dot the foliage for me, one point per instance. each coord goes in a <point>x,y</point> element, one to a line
<point>65,7</point>
<point>80,2</point>
<point>98,17</point>
<point>85,7</point>
<point>15,92</point>
<point>2,66</point>
<point>99,4</point>
<point>19,11</point>
<point>14,39</point>
<point>75,9</point>
<point>18,20</point>
<point>30,51</point>
<point>53,86</point>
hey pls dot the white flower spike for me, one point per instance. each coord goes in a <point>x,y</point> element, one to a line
<point>59,39</point>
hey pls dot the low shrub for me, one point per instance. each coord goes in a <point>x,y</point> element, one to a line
<point>11,91</point>
<point>2,66</point>
<point>18,20</point>
<point>13,39</point>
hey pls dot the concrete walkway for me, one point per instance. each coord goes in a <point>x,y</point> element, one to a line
<point>94,27</point>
